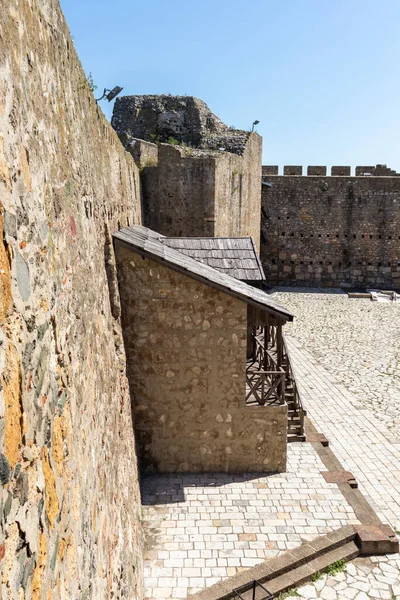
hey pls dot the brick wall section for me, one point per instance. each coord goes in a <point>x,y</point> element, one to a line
<point>186,351</point>
<point>70,505</point>
<point>198,193</point>
<point>333,231</point>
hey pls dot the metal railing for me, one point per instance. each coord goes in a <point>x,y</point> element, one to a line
<point>257,590</point>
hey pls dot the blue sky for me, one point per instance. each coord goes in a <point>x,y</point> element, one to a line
<point>321,77</point>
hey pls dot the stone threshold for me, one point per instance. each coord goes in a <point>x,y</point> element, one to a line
<point>296,567</point>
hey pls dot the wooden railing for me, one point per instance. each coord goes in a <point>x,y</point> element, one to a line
<point>265,379</point>
<point>265,388</point>
<point>265,359</point>
<point>291,382</point>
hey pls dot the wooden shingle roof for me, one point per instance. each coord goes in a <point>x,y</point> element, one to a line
<point>146,242</point>
<point>234,256</point>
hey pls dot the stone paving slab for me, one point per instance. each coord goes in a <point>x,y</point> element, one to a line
<point>359,440</point>
<point>371,452</point>
<point>362,579</point>
<point>200,529</point>
<point>357,341</point>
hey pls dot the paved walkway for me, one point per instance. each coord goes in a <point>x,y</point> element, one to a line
<point>356,340</point>
<point>371,452</point>
<point>359,440</point>
<point>202,528</point>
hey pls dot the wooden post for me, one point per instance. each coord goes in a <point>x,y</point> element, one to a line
<point>279,346</point>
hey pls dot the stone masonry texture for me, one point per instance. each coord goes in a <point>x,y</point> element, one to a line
<point>70,505</point>
<point>186,352</point>
<point>205,183</point>
<point>335,231</point>
<point>207,195</point>
<point>184,119</point>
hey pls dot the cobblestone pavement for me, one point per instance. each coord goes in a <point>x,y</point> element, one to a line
<point>202,528</point>
<point>358,341</point>
<point>362,579</point>
<point>372,453</point>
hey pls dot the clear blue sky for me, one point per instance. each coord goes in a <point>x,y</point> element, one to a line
<point>322,77</point>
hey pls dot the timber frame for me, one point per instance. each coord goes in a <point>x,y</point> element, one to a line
<point>270,379</point>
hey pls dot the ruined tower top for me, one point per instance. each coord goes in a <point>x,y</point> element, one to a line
<point>183,119</point>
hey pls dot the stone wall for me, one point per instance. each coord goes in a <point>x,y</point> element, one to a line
<point>331,231</point>
<point>70,505</point>
<point>374,171</point>
<point>186,352</point>
<point>207,179</point>
<point>197,193</point>
<point>178,193</point>
<point>237,192</point>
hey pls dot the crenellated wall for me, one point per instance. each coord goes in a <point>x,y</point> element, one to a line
<point>377,171</point>
<point>331,230</point>
<point>70,503</point>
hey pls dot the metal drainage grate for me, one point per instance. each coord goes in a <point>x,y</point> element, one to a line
<point>252,591</point>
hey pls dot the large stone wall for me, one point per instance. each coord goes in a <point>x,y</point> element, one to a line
<point>197,193</point>
<point>206,181</point>
<point>70,505</point>
<point>331,231</point>
<point>186,352</point>
<point>237,192</point>
<point>178,193</point>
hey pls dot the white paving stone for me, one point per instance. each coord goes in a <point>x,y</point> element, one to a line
<point>228,522</point>
<point>349,377</point>
<point>202,527</point>
<point>308,591</point>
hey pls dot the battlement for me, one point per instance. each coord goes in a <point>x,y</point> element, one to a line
<point>336,171</point>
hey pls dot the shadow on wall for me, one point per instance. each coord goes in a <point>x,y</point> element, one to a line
<point>169,489</point>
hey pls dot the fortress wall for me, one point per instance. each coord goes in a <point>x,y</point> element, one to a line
<point>70,504</point>
<point>178,193</point>
<point>206,178</point>
<point>331,231</point>
<point>237,194</point>
<point>374,171</point>
<point>201,193</point>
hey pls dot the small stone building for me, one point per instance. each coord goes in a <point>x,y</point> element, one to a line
<point>201,401</point>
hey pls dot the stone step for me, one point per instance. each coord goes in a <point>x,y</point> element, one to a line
<point>295,567</point>
<point>296,437</point>
<point>303,573</point>
<point>293,429</point>
<point>280,573</point>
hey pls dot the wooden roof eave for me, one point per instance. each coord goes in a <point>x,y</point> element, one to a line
<point>145,254</point>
